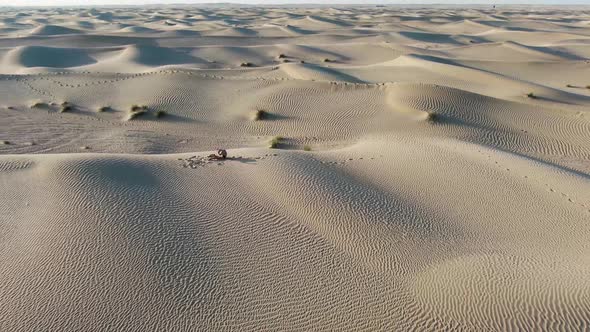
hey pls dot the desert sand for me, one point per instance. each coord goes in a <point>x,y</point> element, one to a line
<point>432,170</point>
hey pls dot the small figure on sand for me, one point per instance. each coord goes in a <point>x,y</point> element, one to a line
<point>221,155</point>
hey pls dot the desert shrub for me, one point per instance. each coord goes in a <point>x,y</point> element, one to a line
<point>327,60</point>
<point>432,117</point>
<point>136,111</point>
<point>137,108</point>
<point>531,95</point>
<point>161,113</point>
<point>104,108</point>
<point>39,104</point>
<point>66,108</point>
<point>306,148</point>
<point>282,56</point>
<point>570,86</point>
<point>275,142</point>
<point>260,115</point>
<point>136,114</point>
<point>4,142</point>
<point>246,64</point>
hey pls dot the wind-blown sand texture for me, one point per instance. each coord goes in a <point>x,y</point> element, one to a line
<point>436,195</point>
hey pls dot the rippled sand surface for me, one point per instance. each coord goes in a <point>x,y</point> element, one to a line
<point>432,170</point>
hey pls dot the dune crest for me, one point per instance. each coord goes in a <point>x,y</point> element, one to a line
<point>51,30</point>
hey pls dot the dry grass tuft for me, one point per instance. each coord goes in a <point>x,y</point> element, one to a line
<point>136,111</point>
<point>137,108</point>
<point>136,114</point>
<point>66,108</point>
<point>276,142</point>
<point>39,104</point>
<point>260,115</point>
<point>432,117</point>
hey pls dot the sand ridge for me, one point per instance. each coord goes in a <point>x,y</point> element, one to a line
<point>431,168</point>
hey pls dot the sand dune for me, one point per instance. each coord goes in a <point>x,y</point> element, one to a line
<point>137,29</point>
<point>40,56</point>
<point>432,171</point>
<point>51,30</point>
<point>313,72</point>
<point>153,55</point>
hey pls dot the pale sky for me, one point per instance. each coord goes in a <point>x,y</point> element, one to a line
<point>140,2</point>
